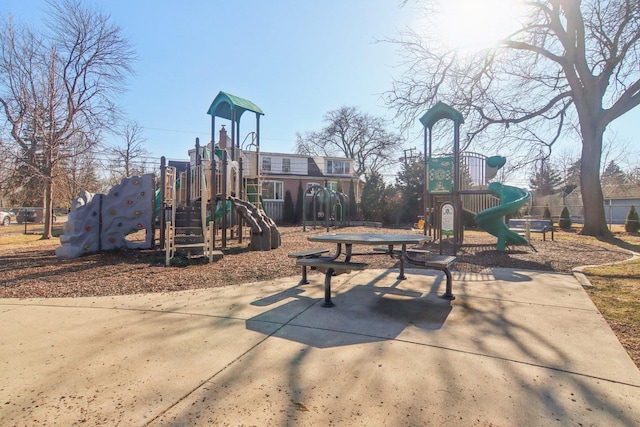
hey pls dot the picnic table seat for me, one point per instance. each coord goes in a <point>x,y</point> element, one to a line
<point>309,253</point>
<point>330,268</point>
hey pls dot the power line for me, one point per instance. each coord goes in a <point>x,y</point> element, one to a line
<point>177,131</point>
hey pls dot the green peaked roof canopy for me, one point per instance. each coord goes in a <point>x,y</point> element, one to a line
<point>438,112</point>
<point>224,103</point>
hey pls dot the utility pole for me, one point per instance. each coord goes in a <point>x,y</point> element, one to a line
<point>410,157</point>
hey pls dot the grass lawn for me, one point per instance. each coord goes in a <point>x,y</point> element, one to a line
<point>616,293</point>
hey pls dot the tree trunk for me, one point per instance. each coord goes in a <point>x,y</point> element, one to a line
<point>595,223</point>
<point>48,208</point>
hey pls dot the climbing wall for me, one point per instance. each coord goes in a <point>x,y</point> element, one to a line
<point>105,222</point>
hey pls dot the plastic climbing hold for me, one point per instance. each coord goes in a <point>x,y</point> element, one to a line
<point>87,227</point>
<point>129,202</point>
<point>136,181</point>
<point>140,226</point>
<point>111,240</point>
<point>112,211</point>
<point>138,213</point>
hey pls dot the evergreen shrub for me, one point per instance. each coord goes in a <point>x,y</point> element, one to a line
<point>288,212</point>
<point>565,219</point>
<point>632,225</point>
<point>546,214</point>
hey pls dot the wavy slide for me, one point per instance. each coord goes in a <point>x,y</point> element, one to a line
<point>492,220</point>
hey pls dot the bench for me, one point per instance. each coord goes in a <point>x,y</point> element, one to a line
<point>435,262</point>
<point>309,253</point>
<point>330,268</point>
<point>442,263</point>
<point>534,225</point>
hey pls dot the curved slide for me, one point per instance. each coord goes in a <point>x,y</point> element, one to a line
<point>492,220</point>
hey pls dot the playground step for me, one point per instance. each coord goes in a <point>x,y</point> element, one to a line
<point>188,231</point>
<point>188,240</point>
<point>189,246</point>
<point>188,218</point>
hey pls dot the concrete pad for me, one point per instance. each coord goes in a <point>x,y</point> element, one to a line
<point>394,383</point>
<point>514,348</point>
<point>65,366</point>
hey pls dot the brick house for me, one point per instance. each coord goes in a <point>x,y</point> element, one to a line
<point>270,175</point>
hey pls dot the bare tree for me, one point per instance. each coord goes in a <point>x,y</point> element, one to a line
<point>573,66</point>
<point>129,157</point>
<point>57,87</point>
<point>354,135</point>
<point>78,172</point>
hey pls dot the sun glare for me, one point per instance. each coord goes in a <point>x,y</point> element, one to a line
<point>475,24</point>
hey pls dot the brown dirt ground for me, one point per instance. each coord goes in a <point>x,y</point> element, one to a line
<point>35,272</point>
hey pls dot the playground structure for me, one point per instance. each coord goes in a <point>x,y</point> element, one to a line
<point>459,181</point>
<point>223,179</point>
<point>195,200</point>
<point>219,190</point>
<point>327,206</point>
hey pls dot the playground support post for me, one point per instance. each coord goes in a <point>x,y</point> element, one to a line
<point>225,163</point>
<point>212,196</point>
<point>214,182</point>
<point>426,203</point>
<point>240,195</point>
<point>161,216</point>
<point>458,230</point>
<point>327,209</point>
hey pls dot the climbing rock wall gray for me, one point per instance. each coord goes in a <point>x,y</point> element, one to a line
<point>103,222</point>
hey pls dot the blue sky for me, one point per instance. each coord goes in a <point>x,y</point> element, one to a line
<point>295,59</point>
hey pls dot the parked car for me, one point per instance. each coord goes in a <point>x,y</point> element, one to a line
<point>7,217</point>
<point>31,215</point>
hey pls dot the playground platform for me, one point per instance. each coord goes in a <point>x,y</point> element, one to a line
<point>515,348</point>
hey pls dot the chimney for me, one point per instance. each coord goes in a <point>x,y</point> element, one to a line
<point>222,141</point>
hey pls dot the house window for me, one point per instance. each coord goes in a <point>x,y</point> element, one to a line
<point>272,190</point>
<point>337,167</point>
<point>286,165</point>
<point>266,164</point>
<point>332,185</point>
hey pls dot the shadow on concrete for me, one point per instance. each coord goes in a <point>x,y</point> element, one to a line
<point>365,313</point>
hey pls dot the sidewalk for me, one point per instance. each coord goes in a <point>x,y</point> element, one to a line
<point>515,348</point>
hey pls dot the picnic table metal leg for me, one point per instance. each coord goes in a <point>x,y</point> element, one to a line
<point>402,257</point>
<point>338,251</point>
<point>327,289</point>
<point>448,294</point>
<point>347,252</point>
<point>304,280</point>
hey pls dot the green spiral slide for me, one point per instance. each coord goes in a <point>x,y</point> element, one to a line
<point>492,220</point>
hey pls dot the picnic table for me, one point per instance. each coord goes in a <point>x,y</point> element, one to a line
<point>335,264</point>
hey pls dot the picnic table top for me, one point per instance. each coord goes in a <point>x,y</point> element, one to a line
<point>369,238</point>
